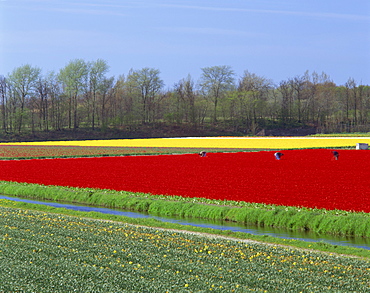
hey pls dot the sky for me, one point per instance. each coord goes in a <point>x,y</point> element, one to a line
<point>277,40</point>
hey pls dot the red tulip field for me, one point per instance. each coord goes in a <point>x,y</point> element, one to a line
<point>307,178</point>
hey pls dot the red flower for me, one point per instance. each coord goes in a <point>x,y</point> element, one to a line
<point>309,178</point>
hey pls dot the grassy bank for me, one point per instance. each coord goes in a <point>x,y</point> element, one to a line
<point>320,221</point>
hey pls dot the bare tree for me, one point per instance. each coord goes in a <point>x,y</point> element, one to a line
<point>4,97</point>
<point>258,88</point>
<point>41,102</point>
<point>351,99</point>
<point>215,82</point>
<point>147,84</point>
<point>22,81</point>
<point>298,85</point>
<point>286,91</point>
<point>319,97</point>
<point>97,71</point>
<point>74,78</point>
<point>57,102</point>
<point>121,105</point>
<point>186,94</point>
<point>105,95</point>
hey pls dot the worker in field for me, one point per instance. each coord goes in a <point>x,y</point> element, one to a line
<point>278,155</point>
<point>202,154</point>
<point>335,155</point>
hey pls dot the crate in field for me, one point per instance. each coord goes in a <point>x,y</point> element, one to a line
<point>362,146</point>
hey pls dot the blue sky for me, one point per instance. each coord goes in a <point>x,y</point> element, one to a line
<point>274,39</point>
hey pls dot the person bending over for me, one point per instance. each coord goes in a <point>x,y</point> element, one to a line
<point>335,155</point>
<point>278,155</point>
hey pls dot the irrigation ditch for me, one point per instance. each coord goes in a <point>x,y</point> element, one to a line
<point>302,235</point>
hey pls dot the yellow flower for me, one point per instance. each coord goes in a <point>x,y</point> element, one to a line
<point>216,142</point>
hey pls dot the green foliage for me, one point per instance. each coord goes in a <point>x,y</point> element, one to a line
<point>78,96</point>
<point>74,76</point>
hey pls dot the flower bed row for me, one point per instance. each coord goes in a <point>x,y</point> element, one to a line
<point>215,142</point>
<point>307,178</point>
<point>43,252</point>
<point>30,151</point>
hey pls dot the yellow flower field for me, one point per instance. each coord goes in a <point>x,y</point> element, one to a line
<point>215,142</point>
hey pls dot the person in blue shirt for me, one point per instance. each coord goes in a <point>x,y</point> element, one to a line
<point>278,155</point>
<point>335,155</point>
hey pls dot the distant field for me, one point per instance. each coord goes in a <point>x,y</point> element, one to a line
<point>214,142</point>
<point>52,151</point>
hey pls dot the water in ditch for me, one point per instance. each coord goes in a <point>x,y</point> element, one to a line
<point>221,225</point>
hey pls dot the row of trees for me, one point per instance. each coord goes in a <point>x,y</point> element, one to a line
<point>82,95</point>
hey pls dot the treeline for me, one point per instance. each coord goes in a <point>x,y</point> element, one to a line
<point>81,95</point>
